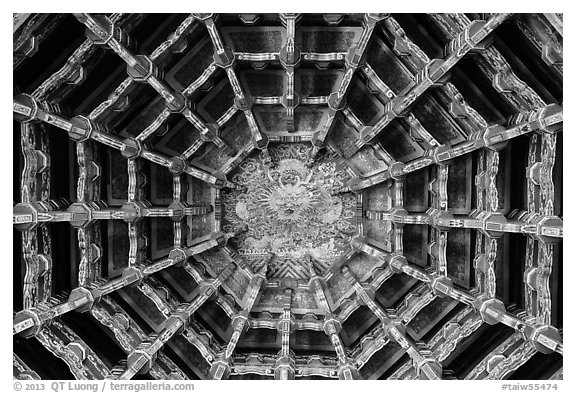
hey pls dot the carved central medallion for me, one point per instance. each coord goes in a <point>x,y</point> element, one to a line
<point>291,210</point>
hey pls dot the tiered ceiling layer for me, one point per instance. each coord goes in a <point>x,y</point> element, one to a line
<point>288,196</point>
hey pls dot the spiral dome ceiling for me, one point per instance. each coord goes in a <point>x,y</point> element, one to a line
<point>288,196</point>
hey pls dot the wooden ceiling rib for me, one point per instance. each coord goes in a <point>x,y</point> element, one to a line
<point>419,124</point>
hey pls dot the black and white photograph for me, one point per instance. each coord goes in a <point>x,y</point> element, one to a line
<point>287,196</point>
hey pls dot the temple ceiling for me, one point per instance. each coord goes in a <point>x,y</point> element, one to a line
<point>288,196</point>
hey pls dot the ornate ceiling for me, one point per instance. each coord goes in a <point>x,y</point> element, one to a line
<point>288,196</point>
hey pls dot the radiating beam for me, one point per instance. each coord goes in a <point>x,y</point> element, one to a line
<point>332,326</point>
<point>35,190</point>
<point>220,368</point>
<point>63,343</point>
<point>82,129</point>
<point>141,68</point>
<point>76,67</point>
<point>493,66</point>
<point>160,55</point>
<point>545,338</point>
<point>135,192</point>
<point>27,41</point>
<point>370,343</point>
<point>18,19</point>
<point>289,59</point>
<point>458,328</point>
<point>285,367</point>
<point>224,58</point>
<point>538,33</point>
<point>415,58</point>
<point>549,228</point>
<point>503,360</point>
<point>81,214</point>
<point>398,230</point>
<point>88,189</point>
<point>144,356</point>
<point>29,321</point>
<point>378,337</point>
<point>128,334</point>
<point>486,243</point>
<point>354,57</point>
<point>548,119</point>
<point>426,366</point>
<point>471,38</point>
<point>557,21</point>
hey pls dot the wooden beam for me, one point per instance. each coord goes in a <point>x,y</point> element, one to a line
<point>547,119</point>
<point>473,37</point>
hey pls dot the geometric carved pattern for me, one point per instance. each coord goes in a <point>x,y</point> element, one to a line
<point>288,196</point>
